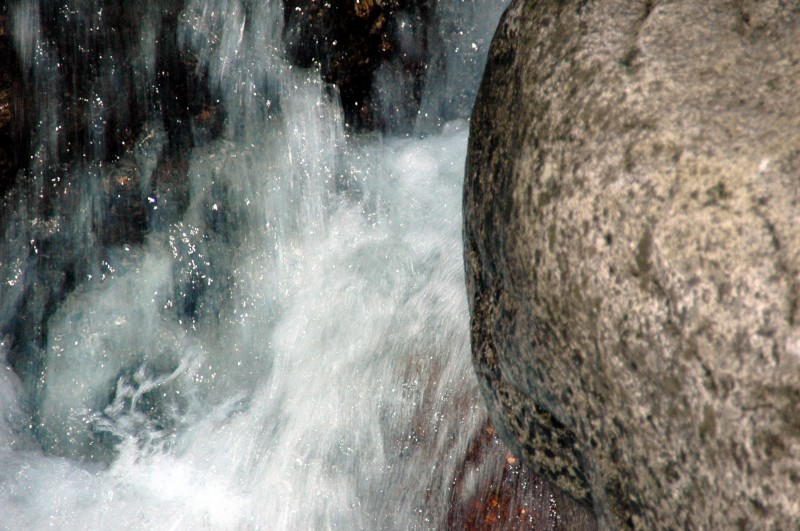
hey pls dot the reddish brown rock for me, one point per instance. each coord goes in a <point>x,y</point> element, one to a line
<point>494,490</point>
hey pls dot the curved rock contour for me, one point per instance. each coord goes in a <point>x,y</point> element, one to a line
<point>632,225</point>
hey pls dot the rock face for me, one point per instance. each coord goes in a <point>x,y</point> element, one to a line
<point>351,40</point>
<point>632,223</point>
<point>13,130</point>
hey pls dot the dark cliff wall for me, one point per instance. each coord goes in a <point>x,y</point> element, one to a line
<point>14,140</point>
<point>349,41</point>
<point>631,207</point>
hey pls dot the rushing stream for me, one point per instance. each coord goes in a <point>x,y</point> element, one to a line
<point>286,350</point>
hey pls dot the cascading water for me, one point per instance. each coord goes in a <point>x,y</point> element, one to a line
<point>286,345</point>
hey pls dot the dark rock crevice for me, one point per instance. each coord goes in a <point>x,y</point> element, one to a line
<point>14,99</point>
<point>350,41</point>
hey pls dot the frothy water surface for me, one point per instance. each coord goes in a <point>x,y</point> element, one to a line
<point>290,351</point>
<point>324,393</point>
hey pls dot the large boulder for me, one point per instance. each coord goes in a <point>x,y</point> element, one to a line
<point>632,224</point>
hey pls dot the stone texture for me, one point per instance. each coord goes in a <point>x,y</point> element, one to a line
<point>632,224</point>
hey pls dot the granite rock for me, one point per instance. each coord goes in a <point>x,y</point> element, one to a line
<point>631,210</point>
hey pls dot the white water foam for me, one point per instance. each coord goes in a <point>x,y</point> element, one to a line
<point>292,353</point>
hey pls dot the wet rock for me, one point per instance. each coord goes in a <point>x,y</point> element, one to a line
<point>350,40</point>
<point>75,94</point>
<point>85,62</point>
<point>14,139</point>
<point>494,490</point>
<point>633,261</point>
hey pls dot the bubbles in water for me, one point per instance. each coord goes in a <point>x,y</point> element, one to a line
<point>287,348</point>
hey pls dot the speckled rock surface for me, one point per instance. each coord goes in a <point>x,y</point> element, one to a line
<point>632,223</point>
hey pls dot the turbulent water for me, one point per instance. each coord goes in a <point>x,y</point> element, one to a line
<point>291,351</point>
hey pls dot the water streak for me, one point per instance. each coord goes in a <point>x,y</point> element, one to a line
<point>286,350</point>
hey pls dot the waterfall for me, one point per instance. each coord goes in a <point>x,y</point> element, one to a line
<point>277,340</point>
